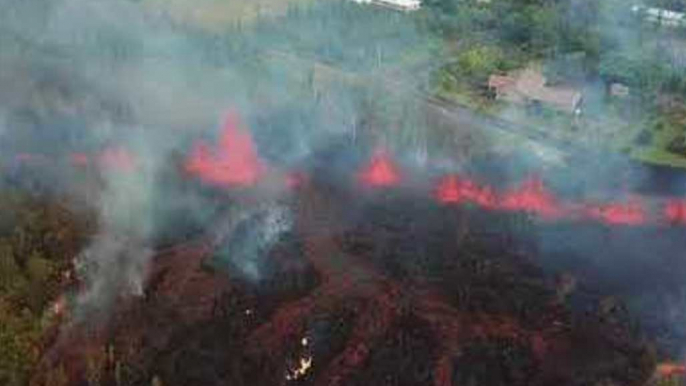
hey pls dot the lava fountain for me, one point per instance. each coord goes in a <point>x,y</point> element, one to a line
<point>234,162</point>
<point>381,171</point>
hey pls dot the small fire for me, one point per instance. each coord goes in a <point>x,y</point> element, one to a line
<point>381,171</point>
<point>234,162</point>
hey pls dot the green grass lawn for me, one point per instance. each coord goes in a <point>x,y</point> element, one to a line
<point>657,156</point>
<point>664,130</point>
<point>219,15</point>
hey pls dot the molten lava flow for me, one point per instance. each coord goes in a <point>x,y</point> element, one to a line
<point>631,213</point>
<point>453,190</point>
<point>381,172</point>
<point>117,158</point>
<point>675,211</point>
<point>448,191</point>
<point>233,163</point>
<point>532,196</point>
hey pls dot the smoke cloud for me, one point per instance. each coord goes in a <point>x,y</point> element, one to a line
<point>127,88</point>
<point>122,89</point>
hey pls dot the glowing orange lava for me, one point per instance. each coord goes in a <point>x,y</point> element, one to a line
<point>234,162</point>
<point>532,196</point>
<point>381,171</point>
<point>631,213</point>
<point>675,211</point>
<point>454,190</point>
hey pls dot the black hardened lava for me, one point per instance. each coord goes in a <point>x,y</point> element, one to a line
<point>377,288</point>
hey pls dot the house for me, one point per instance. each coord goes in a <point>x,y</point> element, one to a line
<point>660,16</point>
<point>528,87</point>
<point>402,5</point>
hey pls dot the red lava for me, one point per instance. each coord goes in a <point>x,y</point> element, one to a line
<point>532,196</point>
<point>381,171</point>
<point>675,211</point>
<point>631,213</point>
<point>455,190</point>
<point>234,162</point>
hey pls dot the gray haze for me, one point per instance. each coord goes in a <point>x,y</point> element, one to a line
<point>85,75</point>
<point>81,76</point>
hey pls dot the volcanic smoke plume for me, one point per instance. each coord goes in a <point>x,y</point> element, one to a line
<point>197,250</point>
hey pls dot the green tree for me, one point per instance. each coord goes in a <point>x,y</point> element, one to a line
<point>38,238</point>
<point>479,62</point>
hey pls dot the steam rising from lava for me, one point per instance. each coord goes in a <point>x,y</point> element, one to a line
<point>117,88</point>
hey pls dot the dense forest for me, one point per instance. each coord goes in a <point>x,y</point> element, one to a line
<point>606,38</point>
<point>39,238</point>
<point>588,45</point>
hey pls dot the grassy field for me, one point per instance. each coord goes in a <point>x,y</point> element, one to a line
<point>218,15</point>
<point>664,131</point>
<point>658,156</point>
